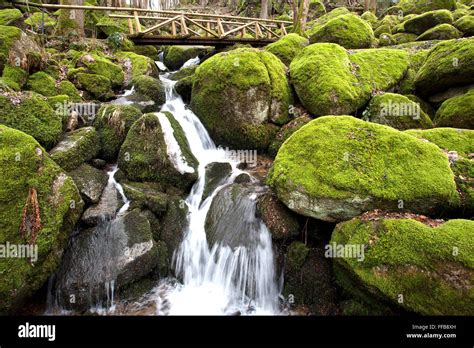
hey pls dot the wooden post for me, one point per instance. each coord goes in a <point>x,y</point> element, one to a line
<point>220,28</point>
<point>173,28</point>
<point>283,29</point>
<point>130,26</point>
<point>184,27</point>
<point>208,25</point>
<point>258,32</point>
<point>137,22</point>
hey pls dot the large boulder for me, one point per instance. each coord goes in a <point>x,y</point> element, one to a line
<point>421,265</point>
<point>352,166</point>
<point>31,113</point>
<point>157,150</point>
<point>466,25</point>
<point>176,56</point>
<point>349,31</point>
<point>18,49</point>
<point>76,147</point>
<point>285,132</point>
<point>397,111</point>
<point>113,123</point>
<point>42,83</point>
<point>114,253</point>
<point>287,47</point>
<point>440,32</point>
<point>449,64</point>
<point>151,88</point>
<point>240,96</point>
<point>26,166</point>
<point>420,24</point>
<point>457,112</point>
<point>315,25</point>
<point>138,65</point>
<point>9,16</point>
<point>96,85</point>
<point>100,65</point>
<point>420,6</point>
<point>330,81</point>
<point>90,182</point>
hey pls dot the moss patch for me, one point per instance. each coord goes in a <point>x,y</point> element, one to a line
<point>287,47</point>
<point>449,139</point>
<point>457,112</point>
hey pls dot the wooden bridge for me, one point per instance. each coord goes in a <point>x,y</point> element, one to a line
<point>166,27</point>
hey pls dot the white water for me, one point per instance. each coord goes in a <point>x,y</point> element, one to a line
<point>216,279</point>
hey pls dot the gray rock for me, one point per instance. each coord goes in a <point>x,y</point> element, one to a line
<point>90,182</point>
<point>216,174</point>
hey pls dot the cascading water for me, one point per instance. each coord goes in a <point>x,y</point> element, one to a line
<point>219,278</point>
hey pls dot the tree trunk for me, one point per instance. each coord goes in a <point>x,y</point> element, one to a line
<point>264,9</point>
<point>71,22</point>
<point>300,15</point>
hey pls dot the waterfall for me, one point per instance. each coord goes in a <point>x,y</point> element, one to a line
<point>218,279</point>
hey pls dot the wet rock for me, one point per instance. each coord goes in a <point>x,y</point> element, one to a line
<point>146,196</point>
<point>242,178</point>
<point>90,182</point>
<point>280,220</point>
<point>174,223</point>
<point>110,202</point>
<point>216,174</point>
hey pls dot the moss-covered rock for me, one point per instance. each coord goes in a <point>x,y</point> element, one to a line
<point>15,75</point>
<point>157,150</point>
<point>240,95</point>
<point>397,111</point>
<point>42,83</point>
<point>98,64</point>
<point>418,267</point>
<point>287,47</point>
<point>417,59</point>
<point>466,25</point>
<point>463,169</point>
<point>330,81</point>
<point>316,9</point>
<point>449,64</point>
<point>146,195</point>
<point>457,112</point>
<point>9,16</point>
<point>216,174</point>
<point>382,29</point>
<point>39,20</point>
<point>98,86</point>
<point>352,166</point>
<point>449,139</point>
<point>420,6</point>
<point>285,132</point>
<point>76,147</point>
<point>18,49</point>
<point>440,32</point>
<point>184,87</point>
<point>25,165</point>
<point>176,56</point>
<point>315,25</point>
<point>90,182</point>
<point>140,65</point>
<point>113,123</point>
<point>183,73</point>
<point>30,113</point>
<point>151,88</point>
<point>425,21</point>
<point>112,25</point>
<point>370,18</point>
<point>174,223</point>
<point>349,31</point>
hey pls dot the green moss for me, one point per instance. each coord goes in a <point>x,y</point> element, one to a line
<point>449,139</point>
<point>370,18</point>
<point>405,257</point>
<point>102,66</point>
<point>152,88</point>
<point>401,38</point>
<point>352,166</point>
<point>449,64</point>
<point>33,116</point>
<point>24,165</point>
<point>37,20</point>
<point>15,74</point>
<point>396,111</point>
<point>67,88</point>
<point>349,31</point>
<point>420,6</point>
<point>76,148</point>
<point>148,51</point>
<point>176,56</point>
<point>328,80</point>
<point>466,25</point>
<point>99,86</point>
<point>112,25</point>
<point>407,84</point>
<point>9,16</point>
<point>8,35</point>
<point>144,157</point>
<point>425,21</point>
<point>463,169</point>
<point>440,32</point>
<point>457,112</point>
<point>256,83</point>
<point>316,9</point>
<point>141,65</point>
<point>113,123</point>
<point>297,254</point>
<point>317,24</point>
<point>382,29</point>
<point>287,47</point>
<point>285,132</point>
<point>42,83</point>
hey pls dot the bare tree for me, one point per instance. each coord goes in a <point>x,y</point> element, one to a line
<point>264,9</point>
<point>300,14</point>
<point>370,5</point>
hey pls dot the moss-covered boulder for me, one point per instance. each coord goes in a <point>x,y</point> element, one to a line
<point>76,147</point>
<point>18,49</point>
<point>14,76</point>
<point>330,81</point>
<point>240,95</point>
<point>425,268</point>
<point>184,88</point>
<point>382,29</point>
<point>176,56</point>
<point>9,16</point>
<point>370,18</point>
<point>24,166</point>
<point>352,166</point>
<point>449,139</point>
<point>113,123</point>
<point>151,88</point>
<point>146,195</point>
<point>316,9</point>
<point>397,111</point>
<point>287,47</point>
<point>157,150</point>
<point>421,6</point>
<point>449,64</point>
<point>315,25</point>
<point>349,31</point>
<point>417,59</point>
<point>457,112</point>
<point>31,113</point>
<point>285,132</point>
<point>140,65</point>
<point>174,223</point>
<point>425,21</point>
<point>98,86</point>
<point>466,25</point>
<point>42,83</point>
<point>440,32</point>
<point>98,64</point>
